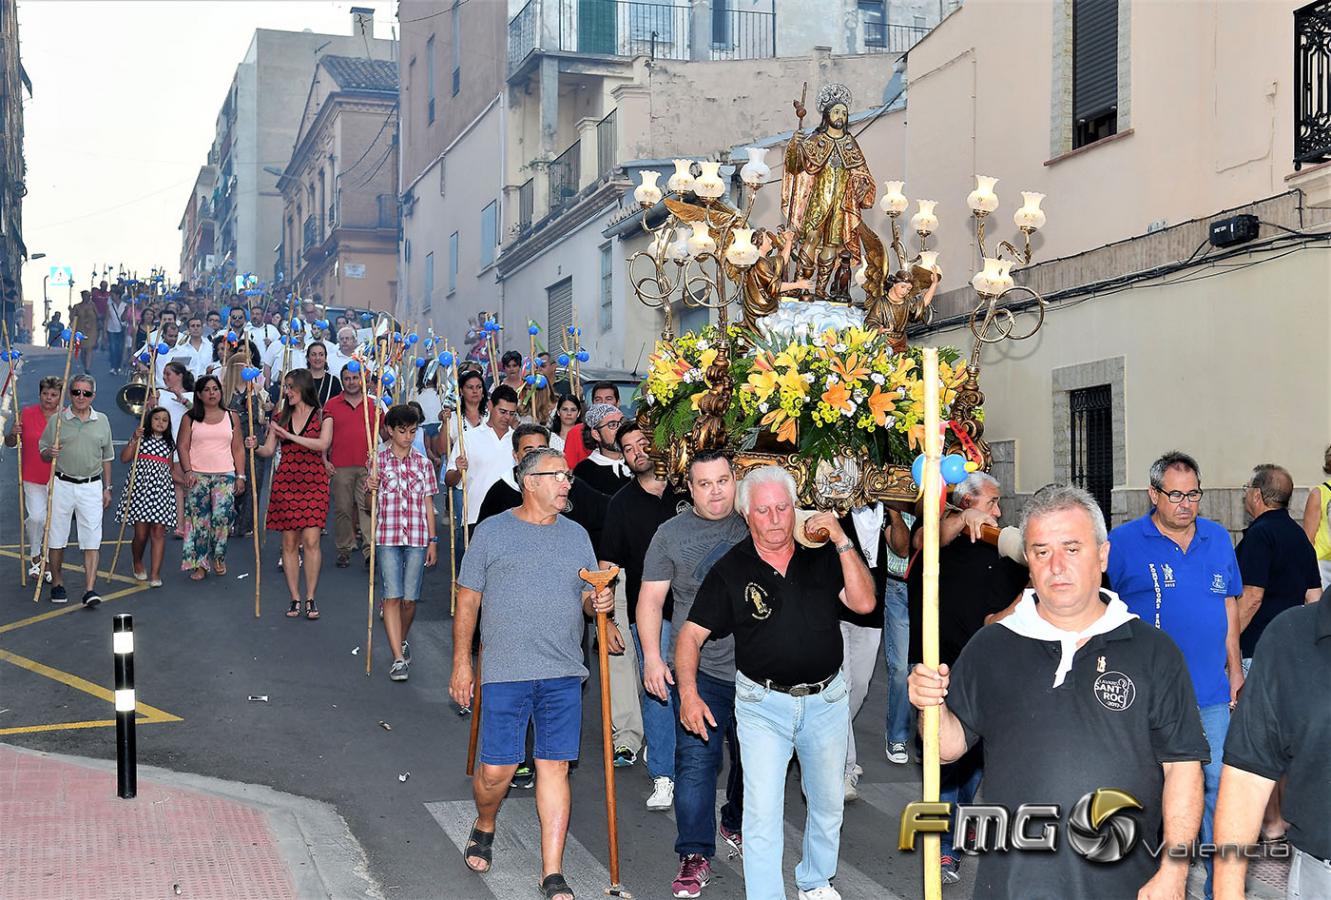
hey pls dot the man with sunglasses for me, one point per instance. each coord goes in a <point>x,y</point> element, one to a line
<point>82,486</point>
<point>1178,572</point>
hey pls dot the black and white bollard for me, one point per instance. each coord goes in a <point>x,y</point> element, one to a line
<point>122,646</point>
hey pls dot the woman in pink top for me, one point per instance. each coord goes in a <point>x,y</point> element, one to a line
<point>212,457</point>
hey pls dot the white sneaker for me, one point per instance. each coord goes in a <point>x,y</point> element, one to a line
<point>852,792</point>
<point>663,793</point>
<point>826,892</point>
<point>896,753</point>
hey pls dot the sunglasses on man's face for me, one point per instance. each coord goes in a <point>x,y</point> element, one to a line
<point>76,392</point>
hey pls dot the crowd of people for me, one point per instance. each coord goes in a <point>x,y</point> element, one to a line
<point>1157,659</point>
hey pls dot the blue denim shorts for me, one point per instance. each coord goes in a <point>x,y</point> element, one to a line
<point>402,568</point>
<point>553,706</point>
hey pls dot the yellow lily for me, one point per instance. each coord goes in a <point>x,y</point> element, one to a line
<point>761,383</point>
<point>782,424</point>
<point>850,369</point>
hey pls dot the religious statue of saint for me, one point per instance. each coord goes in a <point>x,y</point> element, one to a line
<point>825,186</point>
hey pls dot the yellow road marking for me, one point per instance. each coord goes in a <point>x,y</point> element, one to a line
<point>73,606</point>
<point>76,553</point>
<point>149,715</point>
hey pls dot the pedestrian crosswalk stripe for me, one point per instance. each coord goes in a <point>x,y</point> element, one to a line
<point>517,849</point>
<point>850,882</point>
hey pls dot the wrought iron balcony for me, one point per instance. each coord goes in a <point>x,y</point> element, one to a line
<point>879,37</point>
<point>605,144</point>
<point>628,28</point>
<point>565,175</point>
<point>1312,83</point>
<point>311,228</point>
<point>526,204</point>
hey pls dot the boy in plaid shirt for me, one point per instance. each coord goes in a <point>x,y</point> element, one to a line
<point>405,538</point>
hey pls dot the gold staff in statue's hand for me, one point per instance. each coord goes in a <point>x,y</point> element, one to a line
<point>800,111</point>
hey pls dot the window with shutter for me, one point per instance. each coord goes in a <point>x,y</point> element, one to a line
<point>559,307</point>
<point>1094,70</point>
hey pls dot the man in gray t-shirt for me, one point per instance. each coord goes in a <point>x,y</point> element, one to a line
<point>681,554</point>
<point>524,564</point>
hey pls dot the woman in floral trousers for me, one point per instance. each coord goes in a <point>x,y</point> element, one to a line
<point>212,457</point>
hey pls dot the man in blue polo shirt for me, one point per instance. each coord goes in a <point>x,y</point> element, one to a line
<point>1178,572</point>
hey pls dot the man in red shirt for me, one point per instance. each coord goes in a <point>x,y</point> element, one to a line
<point>35,470</point>
<point>346,463</point>
<point>575,446</point>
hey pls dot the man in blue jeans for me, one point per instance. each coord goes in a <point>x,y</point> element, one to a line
<point>896,635</point>
<point>1178,572</point>
<point>681,554</point>
<point>782,604</point>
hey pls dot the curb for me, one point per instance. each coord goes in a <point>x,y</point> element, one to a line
<point>324,858</point>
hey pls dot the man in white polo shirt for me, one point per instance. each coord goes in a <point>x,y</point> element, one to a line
<point>489,451</point>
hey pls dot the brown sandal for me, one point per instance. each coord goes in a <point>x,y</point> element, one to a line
<point>198,574</point>
<point>311,611</point>
<point>219,567</point>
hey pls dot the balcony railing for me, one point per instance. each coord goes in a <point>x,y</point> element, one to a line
<point>565,174</point>
<point>879,37</point>
<point>1312,83</point>
<point>630,28</point>
<point>311,232</point>
<point>605,145</point>
<point>526,204</point>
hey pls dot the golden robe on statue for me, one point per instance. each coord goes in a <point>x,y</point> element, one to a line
<point>826,184</point>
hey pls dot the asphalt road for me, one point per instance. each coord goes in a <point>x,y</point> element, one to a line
<point>201,654</point>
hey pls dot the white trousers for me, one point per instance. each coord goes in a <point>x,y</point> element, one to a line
<point>34,503</point>
<point>859,646</point>
<point>81,502</point>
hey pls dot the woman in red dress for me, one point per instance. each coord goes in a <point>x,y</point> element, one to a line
<point>298,502</point>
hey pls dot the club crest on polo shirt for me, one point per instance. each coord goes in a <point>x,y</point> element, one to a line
<point>756,597</point>
<point>1169,574</point>
<point>1115,691</point>
<point>1218,583</point>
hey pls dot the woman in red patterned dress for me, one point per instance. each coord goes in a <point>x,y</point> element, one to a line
<point>298,502</point>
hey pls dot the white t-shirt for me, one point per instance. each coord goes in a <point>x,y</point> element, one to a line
<point>273,356</point>
<point>262,335</point>
<point>336,361</point>
<point>176,410</point>
<point>488,456</point>
<point>198,359</point>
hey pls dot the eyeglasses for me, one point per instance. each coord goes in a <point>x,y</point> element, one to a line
<point>1180,496</point>
<point>612,425</point>
<point>75,392</point>
<point>560,477</point>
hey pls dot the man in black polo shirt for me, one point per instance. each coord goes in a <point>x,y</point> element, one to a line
<point>1278,565</point>
<point>636,511</point>
<point>782,602</point>
<point>974,583</point>
<point>586,506</point>
<point>1072,693</point>
<point>1281,729</point>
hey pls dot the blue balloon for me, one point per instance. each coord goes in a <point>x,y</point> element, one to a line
<point>541,381</point>
<point>247,374</point>
<point>412,339</point>
<point>397,337</point>
<point>15,354</point>
<point>78,335</point>
<point>232,336</point>
<point>446,358</point>
<point>532,329</point>
<point>530,379</point>
<point>163,347</point>
<point>295,325</point>
<point>284,339</point>
<point>420,362</point>
<point>429,343</point>
<point>365,317</point>
<point>144,357</point>
<point>388,397</point>
<point>917,470</point>
<point>583,356</point>
<point>562,359</point>
<point>353,366</point>
<point>4,356</point>
<point>570,331</point>
<point>954,468</point>
<point>389,378</point>
<point>577,331</point>
<point>322,324</point>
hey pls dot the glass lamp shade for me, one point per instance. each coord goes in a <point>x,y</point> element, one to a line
<point>741,252</point>
<point>894,202</point>
<point>988,281</point>
<point>928,260</point>
<point>1004,276</point>
<point>679,250</point>
<point>1030,217</point>
<point>700,241</point>
<point>983,199</point>
<point>924,221</point>
<point>681,181</point>
<point>756,171</point>
<point>709,185</point>
<point>647,193</point>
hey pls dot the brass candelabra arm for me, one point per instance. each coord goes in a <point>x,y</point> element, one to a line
<point>992,321</point>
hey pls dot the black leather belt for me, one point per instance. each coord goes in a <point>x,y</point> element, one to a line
<point>799,690</point>
<point>89,480</point>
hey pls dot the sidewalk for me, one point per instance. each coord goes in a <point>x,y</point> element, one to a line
<point>65,834</point>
